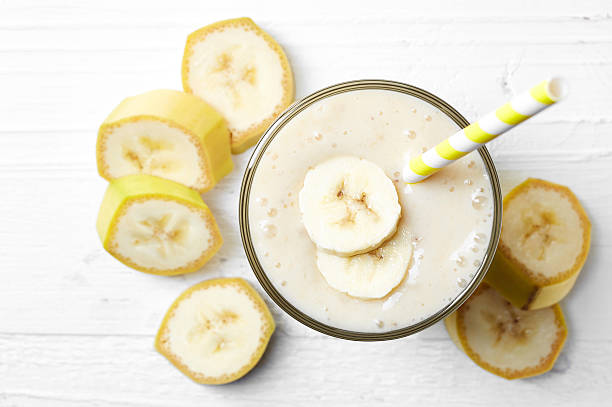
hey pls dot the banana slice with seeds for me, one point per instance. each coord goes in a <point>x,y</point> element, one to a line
<point>216,331</point>
<point>544,243</point>
<point>168,134</point>
<point>369,275</point>
<point>241,71</point>
<point>349,206</point>
<point>157,226</point>
<point>505,340</point>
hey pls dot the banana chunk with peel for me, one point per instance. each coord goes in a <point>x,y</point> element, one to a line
<point>369,275</point>
<point>504,340</point>
<point>349,206</point>
<point>166,133</point>
<point>216,331</point>
<point>157,226</point>
<point>544,243</point>
<point>241,71</point>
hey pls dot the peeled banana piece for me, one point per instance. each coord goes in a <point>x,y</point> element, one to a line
<point>166,133</point>
<point>349,206</point>
<point>216,331</point>
<point>243,73</point>
<point>544,243</point>
<point>157,226</point>
<point>369,275</point>
<point>504,340</point>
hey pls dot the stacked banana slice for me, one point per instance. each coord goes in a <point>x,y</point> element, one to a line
<point>512,326</point>
<point>160,150</point>
<point>369,275</point>
<point>350,210</point>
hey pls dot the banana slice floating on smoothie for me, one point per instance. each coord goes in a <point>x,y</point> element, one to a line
<point>241,71</point>
<point>216,331</point>
<point>369,275</point>
<point>168,134</point>
<point>157,226</point>
<point>544,243</point>
<point>349,206</point>
<point>505,340</point>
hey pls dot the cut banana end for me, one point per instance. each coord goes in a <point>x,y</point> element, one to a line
<point>157,226</point>
<point>369,275</point>
<point>505,340</point>
<point>216,331</point>
<point>544,243</point>
<point>241,71</point>
<point>166,133</point>
<point>349,206</point>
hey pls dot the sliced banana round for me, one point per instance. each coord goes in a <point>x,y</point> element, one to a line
<point>216,331</point>
<point>168,134</point>
<point>349,206</point>
<point>544,243</point>
<point>369,275</point>
<point>505,340</point>
<point>157,226</point>
<point>241,71</point>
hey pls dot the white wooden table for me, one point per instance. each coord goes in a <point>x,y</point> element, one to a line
<point>77,327</point>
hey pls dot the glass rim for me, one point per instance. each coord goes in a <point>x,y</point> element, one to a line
<point>257,155</point>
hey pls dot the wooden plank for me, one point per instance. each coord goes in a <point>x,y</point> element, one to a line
<point>50,97</point>
<point>126,13</point>
<point>536,140</point>
<point>114,371</point>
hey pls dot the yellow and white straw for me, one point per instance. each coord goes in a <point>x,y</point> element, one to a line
<point>519,109</point>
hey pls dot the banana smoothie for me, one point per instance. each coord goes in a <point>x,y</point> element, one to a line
<point>338,232</point>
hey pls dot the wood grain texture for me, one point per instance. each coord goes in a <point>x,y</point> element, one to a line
<point>77,327</point>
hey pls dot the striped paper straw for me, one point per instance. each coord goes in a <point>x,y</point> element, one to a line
<point>466,140</point>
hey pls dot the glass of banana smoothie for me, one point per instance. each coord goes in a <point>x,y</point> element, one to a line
<point>334,235</point>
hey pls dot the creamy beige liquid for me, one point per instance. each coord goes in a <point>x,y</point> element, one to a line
<point>449,216</point>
